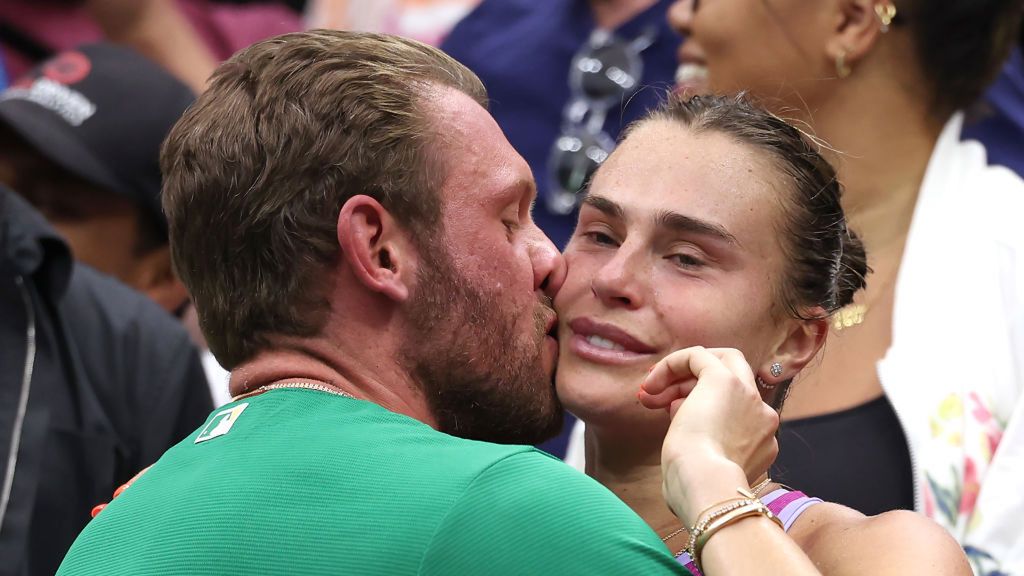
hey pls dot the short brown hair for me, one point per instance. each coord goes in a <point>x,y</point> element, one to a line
<point>257,170</point>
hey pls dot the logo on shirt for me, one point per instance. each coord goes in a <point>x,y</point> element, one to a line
<point>221,423</point>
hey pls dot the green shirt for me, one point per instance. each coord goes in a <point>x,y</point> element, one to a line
<point>301,482</point>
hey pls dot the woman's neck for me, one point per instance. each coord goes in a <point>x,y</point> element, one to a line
<point>883,140</point>
<point>631,469</point>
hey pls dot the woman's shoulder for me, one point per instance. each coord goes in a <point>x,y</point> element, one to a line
<point>841,540</point>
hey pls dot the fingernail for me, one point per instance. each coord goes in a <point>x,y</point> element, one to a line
<point>96,509</point>
<point>121,489</point>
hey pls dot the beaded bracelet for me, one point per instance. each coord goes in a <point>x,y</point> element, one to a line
<point>754,508</point>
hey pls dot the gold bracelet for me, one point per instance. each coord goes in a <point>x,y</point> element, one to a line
<point>755,508</point>
<point>709,515</point>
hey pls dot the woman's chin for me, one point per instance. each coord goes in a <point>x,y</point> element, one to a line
<point>603,399</point>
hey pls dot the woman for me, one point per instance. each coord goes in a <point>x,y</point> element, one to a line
<point>716,224</point>
<point>883,83</point>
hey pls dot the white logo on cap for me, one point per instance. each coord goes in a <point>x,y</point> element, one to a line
<point>70,104</point>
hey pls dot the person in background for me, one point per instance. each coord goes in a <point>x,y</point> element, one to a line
<point>564,77</point>
<point>920,393</point>
<point>187,37</point>
<point>1000,126</point>
<point>96,381</point>
<point>80,139</point>
<point>427,21</point>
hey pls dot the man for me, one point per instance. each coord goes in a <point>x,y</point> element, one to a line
<point>356,233</point>
<point>97,382</point>
<point>80,140</point>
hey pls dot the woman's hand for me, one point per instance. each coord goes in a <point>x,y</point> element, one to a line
<point>721,438</point>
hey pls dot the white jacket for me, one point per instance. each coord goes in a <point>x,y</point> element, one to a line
<point>955,370</point>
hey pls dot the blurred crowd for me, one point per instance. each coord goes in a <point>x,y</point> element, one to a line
<point>915,402</point>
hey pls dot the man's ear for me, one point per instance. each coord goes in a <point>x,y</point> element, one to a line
<point>153,274</point>
<point>799,345</point>
<point>857,28</point>
<point>377,250</point>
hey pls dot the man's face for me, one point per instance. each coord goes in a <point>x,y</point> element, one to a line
<point>481,313</point>
<point>101,227</point>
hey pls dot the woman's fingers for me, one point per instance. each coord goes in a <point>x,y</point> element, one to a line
<point>675,376</point>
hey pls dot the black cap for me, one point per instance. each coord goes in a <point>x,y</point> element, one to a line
<point>101,112</point>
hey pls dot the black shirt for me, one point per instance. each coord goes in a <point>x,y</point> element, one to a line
<point>858,457</point>
<point>96,382</point>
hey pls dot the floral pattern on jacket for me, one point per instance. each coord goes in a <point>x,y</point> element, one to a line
<point>968,428</point>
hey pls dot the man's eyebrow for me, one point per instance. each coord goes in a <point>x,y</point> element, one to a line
<point>687,224</point>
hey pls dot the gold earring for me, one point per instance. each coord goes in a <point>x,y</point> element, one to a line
<point>886,12</point>
<point>842,70</point>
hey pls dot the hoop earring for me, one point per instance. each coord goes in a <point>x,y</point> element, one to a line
<point>764,385</point>
<point>842,70</point>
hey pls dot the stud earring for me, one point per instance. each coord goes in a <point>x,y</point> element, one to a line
<point>842,70</point>
<point>776,369</point>
<point>886,12</point>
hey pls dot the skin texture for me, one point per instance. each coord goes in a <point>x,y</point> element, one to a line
<point>668,288</point>
<point>376,320</point>
<point>486,368</point>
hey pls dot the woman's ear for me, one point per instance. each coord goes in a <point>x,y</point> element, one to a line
<point>856,30</point>
<point>799,345</point>
<point>376,248</point>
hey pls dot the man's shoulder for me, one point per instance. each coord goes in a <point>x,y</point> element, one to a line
<point>531,513</point>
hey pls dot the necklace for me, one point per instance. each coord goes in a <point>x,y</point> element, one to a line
<point>755,491</point>
<point>301,385</point>
<point>853,314</point>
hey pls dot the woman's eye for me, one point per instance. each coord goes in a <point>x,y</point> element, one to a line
<point>687,261</point>
<point>600,238</point>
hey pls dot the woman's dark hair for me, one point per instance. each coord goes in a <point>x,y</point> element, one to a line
<point>827,263</point>
<point>961,45</point>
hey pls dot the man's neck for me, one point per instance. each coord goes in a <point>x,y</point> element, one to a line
<point>632,474</point>
<point>610,14</point>
<point>320,361</point>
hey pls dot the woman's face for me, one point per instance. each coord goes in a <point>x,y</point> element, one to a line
<point>772,48</point>
<point>676,246</point>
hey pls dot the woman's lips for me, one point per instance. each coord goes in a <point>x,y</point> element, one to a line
<point>605,343</point>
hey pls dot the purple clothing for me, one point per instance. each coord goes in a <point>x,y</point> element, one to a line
<point>57,26</point>
<point>787,505</point>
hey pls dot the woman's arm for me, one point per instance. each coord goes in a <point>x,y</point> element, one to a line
<point>721,440</point>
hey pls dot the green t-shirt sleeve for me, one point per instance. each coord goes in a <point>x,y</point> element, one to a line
<point>531,514</point>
